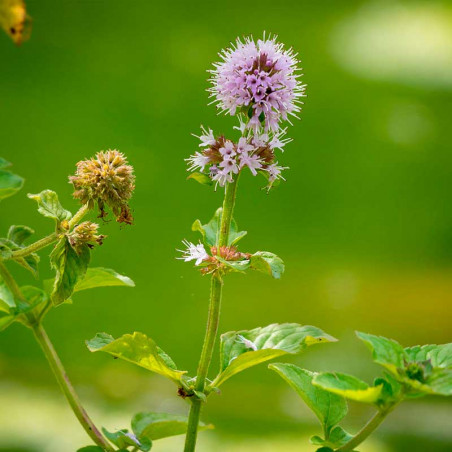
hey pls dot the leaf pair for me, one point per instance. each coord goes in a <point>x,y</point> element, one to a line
<point>238,350</point>
<point>147,427</point>
<point>211,231</point>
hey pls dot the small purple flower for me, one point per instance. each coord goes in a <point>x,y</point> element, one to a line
<point>197,161</point>
<point>251,161</point>
<point>221,177</point>
<point>193,252</point>
<point>228,151</point>
<point>229,165</point>
<point>259,80</point>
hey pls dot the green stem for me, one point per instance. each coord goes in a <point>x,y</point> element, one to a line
<point>45,241</point>
<point>369,428</point>
<point>56,365</point>
<point>78,216</point>
<point>36,246</point>
<point>68,389</point>
<point>212,321</point>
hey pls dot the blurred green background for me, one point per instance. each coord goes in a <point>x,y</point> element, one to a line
<point>364,221</point>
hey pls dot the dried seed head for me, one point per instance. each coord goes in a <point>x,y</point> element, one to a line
<point>85,234</point>
<point>106,179</point>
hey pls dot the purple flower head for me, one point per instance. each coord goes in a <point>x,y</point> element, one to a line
<point>259,80</point>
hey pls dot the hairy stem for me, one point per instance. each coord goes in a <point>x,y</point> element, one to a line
<point>212,321</point>
<point>45,241</point>
<point>68,389</point>
<point>369,428</point>
<point>78,216</point>
<point>36,246</point>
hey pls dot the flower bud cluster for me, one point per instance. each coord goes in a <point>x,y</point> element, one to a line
<point>85,234</point>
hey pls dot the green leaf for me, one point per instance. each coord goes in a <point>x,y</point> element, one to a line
<point>337,438</point>
<point>10,183</point>
<point>329,408</point>
<point>6,298</point>
<point>50,207</point>
<point>138,349</point>
<point>161,425</point>
<point>386,352</point>
<point>348,386</point>
<point>7,247</point>
<point>266,262</point>
<point>70,268</point>
<point>102,277</point>
<point>211,231</point>
<point>240,350</point>
<point>15,310</point>
<point>19,233</point>
<point>202,178</point>
<point>439,355</point>
<point>123,439</point>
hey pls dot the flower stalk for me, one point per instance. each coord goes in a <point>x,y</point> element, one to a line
<point>216,289</point>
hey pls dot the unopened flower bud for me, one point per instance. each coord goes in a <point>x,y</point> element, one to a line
<point>85,234</point>
<point>106,179</point>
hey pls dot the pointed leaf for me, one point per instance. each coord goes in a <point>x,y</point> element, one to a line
<point>240,350</point>
<point>337,438</point>
<point>138,349</point>
<point>202,178</point>
<point>19,233</point>
<point>102,277</point>
<point>161,425</point>
<point>267,262</point>
<point>50,207</point>
<point>386,352</point>
<point>123,439</point>
<point>329,408</point>
<point>348,386</point>
<point>439,355</point>
<point>70,268</point>
<point>211,231</point>
<point>10,184</point>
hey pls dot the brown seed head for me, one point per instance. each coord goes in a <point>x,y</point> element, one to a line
<point>106,179</point>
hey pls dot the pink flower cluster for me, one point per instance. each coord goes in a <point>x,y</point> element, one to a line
<point>258,80</point>
<point>222,158</point>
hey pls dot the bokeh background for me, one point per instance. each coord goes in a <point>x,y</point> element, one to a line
<point>364,221</point>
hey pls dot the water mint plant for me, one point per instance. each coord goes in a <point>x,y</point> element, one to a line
<point>259,83</point>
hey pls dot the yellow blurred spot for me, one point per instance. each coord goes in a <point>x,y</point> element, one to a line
<point>15,20</point>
